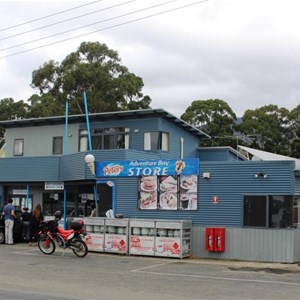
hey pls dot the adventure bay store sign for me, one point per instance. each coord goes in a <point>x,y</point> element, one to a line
<point>163,184</point>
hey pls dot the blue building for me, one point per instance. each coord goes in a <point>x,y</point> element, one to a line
<point>256,201</point>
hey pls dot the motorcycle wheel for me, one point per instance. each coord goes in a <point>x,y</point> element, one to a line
<point>46,245</point>
<point>79,248</point>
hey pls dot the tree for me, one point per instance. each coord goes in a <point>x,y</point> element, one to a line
<point>10,110</point>
<point>271,125</point>
<point>96,69</point>
<point>295,131</point>
<point>45,105</point>
<point>214,117</point>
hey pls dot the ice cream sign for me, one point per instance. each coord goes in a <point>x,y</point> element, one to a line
<point>162,167</point>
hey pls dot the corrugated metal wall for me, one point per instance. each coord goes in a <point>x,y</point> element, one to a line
<point>229,181</point>
<point>297,185</point>
<point>190,142</point>
<point>38,140</point>
<point>28,169</point>
<point>269,245</point>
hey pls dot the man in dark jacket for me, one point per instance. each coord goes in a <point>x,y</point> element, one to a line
<point>25,218</point>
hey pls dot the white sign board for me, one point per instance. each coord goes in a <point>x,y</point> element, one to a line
<point>19,192</point>
<point>55,185</point>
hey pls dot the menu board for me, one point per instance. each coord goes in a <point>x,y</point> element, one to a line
<point>173,192</point>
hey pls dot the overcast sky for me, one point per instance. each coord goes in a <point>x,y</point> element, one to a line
<point>245,52</point>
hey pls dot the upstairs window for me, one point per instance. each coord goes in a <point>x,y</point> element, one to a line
<point>18,147</point>
<point>156,140</point>
<point>105,138</point>
<point>57,145</point>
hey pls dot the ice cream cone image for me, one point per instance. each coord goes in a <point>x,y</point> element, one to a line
<point>92,167</point>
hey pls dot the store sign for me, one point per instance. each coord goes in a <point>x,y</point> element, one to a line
<point>136,168</point>
<point>56,185</point>
<point>19,192</point>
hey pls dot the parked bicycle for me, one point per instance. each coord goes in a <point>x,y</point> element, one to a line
<point>51,234</point>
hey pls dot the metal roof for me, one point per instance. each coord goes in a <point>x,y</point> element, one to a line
<point>263,155</point>
<point>107,116</point>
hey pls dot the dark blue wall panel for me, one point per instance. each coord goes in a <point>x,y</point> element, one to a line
<point>29,169</point>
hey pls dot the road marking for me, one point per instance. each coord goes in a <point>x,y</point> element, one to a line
<point>150,267</point>
<point>27,253</point>
<point>212,277</point>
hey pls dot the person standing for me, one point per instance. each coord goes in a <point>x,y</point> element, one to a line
<point>9,216</point>
<point>25,218</point>
<point>34,224</point>
<point>93,213</point>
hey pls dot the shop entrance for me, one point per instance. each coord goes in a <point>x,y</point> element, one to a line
<point>105,194</point>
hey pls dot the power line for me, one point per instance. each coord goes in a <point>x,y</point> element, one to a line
<point>88,25</point>
<point>106,28</point>
<point>66,20</point>
<point>48,16</point>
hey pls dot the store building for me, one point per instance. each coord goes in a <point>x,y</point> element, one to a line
<point>254,202</point>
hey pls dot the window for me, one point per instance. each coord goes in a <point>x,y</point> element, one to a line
<point>270,211</point>
<point>280,211</point>
<point>156,140</point>
<point>57,145</point>
<point>18,147</point>
<point>105,138</point>
<point>255,211</point>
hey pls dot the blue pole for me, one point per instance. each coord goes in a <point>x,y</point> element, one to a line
<point>114,204</point>
<point>65,208</point>
<point>65,153</point>
<point>66,130</point>
<point>87,120</point>
<point>95,198</point>
<point>89,140</point>
<point>27,196</point>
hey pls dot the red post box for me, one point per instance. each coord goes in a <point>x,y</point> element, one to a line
<point>209,239</point>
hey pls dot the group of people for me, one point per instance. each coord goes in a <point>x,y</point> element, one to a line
<point>30,222</point>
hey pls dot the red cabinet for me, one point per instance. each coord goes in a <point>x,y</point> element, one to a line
<point>215,239</point>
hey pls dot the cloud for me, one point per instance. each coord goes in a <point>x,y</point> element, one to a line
<point>244,52</point>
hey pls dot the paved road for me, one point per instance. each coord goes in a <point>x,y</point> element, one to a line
<point>26,273</point>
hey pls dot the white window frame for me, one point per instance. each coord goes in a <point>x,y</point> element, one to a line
<point>18,147</point>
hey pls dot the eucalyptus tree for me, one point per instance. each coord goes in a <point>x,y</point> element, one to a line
<point>295,131</point>
<point>271,127</point>
<point>95,69</point>
<point>216,118</point>
<point>11,110</point>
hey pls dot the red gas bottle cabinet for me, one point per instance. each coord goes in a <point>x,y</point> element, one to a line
<point>215,239</point>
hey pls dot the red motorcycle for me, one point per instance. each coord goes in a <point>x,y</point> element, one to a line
<point>51,235</point>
